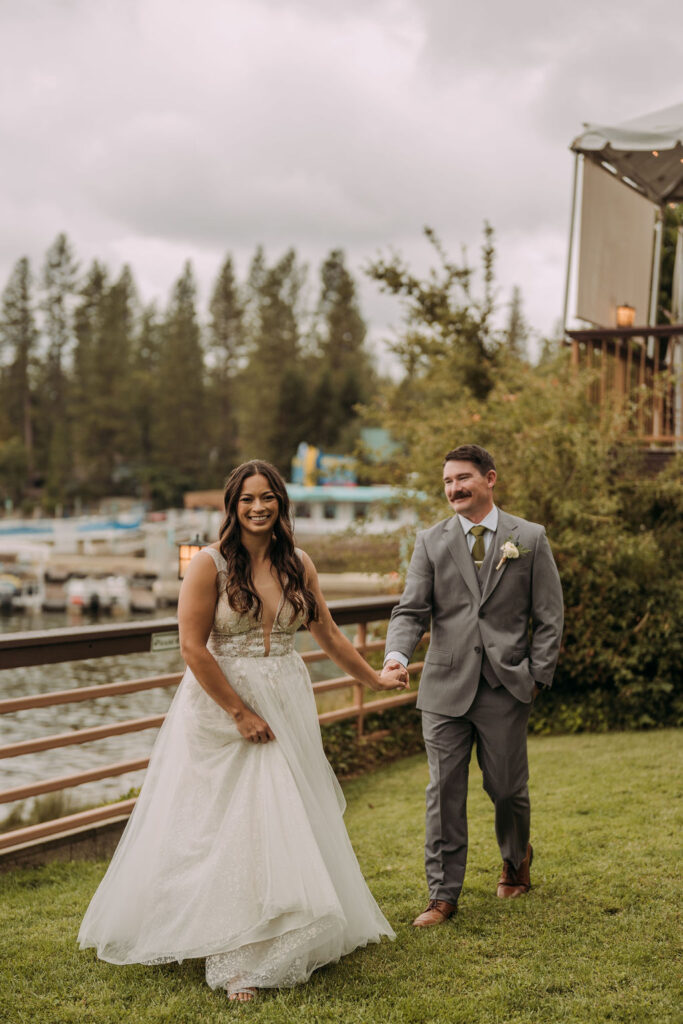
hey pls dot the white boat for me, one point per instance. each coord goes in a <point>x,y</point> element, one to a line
<point>30,594</point>
<point>110,594</point>
<point>118,589</point>
<point>22,576</point>
<point>7,592</point>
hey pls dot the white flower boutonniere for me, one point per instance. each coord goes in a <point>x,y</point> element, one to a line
<point>510,550</point>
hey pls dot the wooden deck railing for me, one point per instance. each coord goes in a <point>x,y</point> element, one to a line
<point>53,646</point>
<point>641,367</point>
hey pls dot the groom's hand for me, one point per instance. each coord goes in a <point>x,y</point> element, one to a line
<point>394,676</point>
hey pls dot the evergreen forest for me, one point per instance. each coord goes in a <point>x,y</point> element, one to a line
<point>101,394</point>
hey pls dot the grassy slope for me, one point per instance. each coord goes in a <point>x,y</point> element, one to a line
<point>593,942</point>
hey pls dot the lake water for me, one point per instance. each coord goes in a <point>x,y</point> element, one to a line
<point>37,722</point>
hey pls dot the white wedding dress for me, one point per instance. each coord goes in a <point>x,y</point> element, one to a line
<point>237,851</point>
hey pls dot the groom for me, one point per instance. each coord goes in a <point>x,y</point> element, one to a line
<point>488,583</point>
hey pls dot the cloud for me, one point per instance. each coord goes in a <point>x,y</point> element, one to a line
<point>153,130</point>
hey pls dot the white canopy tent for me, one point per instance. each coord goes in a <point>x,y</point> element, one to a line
<point>645,155</point>
<point>628,173</point>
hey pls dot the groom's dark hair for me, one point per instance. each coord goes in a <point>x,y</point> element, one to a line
<point>482,459</point>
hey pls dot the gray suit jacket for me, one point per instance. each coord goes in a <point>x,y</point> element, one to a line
<point>514,614</point>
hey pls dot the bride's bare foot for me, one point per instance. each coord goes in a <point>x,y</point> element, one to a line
<point>245,995</point>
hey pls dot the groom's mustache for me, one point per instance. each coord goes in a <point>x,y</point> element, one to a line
<point>461,494</point>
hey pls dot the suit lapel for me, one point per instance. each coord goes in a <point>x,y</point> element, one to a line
<point>457,546</point>
<point>506,528</point>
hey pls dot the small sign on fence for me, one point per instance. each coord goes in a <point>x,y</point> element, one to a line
<point>165,642</point>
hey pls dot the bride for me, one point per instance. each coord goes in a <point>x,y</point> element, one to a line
<point>236,850</point>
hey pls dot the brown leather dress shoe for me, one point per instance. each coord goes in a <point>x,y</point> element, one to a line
<point>515,882</point>
<point>437,912</point>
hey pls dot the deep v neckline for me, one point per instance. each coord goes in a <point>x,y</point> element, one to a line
<point>267,635</point>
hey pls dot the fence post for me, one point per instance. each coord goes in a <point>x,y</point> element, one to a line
<point>359,689</point>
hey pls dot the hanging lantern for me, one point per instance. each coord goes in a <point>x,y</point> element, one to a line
<point>186,552</point>
<point>625,316</point>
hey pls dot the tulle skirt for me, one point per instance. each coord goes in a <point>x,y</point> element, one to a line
<point>237,851</point>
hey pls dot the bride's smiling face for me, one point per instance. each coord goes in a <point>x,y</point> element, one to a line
<point>257,506</point>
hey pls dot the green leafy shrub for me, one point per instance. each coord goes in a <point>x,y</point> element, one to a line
<point>352,551</point>
<point>394,733</point>
<point>616,530</point>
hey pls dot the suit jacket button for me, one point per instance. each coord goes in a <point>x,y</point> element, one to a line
<point>477,650</point>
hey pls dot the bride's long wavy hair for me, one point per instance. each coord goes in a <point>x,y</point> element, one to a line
<point>241,593</point>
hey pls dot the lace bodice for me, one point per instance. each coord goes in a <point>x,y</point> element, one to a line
<point>236,635</point>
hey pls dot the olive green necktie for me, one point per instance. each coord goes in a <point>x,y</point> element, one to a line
<point>478,548</point>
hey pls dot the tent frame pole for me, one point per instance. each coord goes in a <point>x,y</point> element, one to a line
<point>570,247</point>
<point>656,267</point>
<point>652,343</point>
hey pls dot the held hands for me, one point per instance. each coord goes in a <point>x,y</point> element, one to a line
<point>394,677</point>
<point>252,727</point>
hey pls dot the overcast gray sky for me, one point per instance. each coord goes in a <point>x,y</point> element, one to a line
<point>152,131</point>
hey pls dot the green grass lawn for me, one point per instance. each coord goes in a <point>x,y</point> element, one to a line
<point>594,941</point>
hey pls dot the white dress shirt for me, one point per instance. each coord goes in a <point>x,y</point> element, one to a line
<point>490,521</point>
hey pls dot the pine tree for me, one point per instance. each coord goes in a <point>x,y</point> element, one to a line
<point>115,431</point>
<point>54,427</point>
<point>144,399</point>
<point>226,343</point>
<point>344,374</point>
<point>13,471</point>
<point>18,339</point>
<point>89,319</point>
<point>517,330</point>
<point>274,406</point>
<point>179,431</point>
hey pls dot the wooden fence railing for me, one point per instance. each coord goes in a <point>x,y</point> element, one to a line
<point>50,647</point>
<point>641,367</point>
